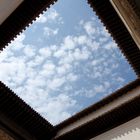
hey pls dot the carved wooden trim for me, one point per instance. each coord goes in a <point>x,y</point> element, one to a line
<point>130,18</point>
<point>5,136</point>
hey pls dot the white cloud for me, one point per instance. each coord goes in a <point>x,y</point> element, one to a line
<point>37,61</point>
<point>29,51</point>
<point>89,27</point>
<point>45,52</point>
<point>50,16</point>
<point>56,83</point>
<point>50,32</point>
<point>72,77</point>
<point>53,15</point>
<point>90,93</point>
<point>3,55</point>
<point>120,79</point>
<point>38,81</point>
<point>110,45</point>
<point>95,45</point>
<point>48,77</point>
<point>81,39</point>
<point>99,89</point>
<point>17,43</point>
<point>60,106</point>
<point>69,43</point>
<point>48,69</point>
<point>59,53</point>
<point>64,69</point>
<point>41,19</point>
<point>81,54</point>
<point>61,70</point>
<point>94,62</point>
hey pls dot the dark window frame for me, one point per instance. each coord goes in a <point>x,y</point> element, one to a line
<point>16,23</point>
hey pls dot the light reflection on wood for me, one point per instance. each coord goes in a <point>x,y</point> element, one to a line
<point>5,136</point>
<point>129,17</point>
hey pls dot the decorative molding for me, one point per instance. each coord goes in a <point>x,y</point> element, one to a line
<point>118,31</point>
<point>105,122</point>
<point>128,12</point>
<point>30,123</point>
<point>21,18</point>
<point>20,119</point>
<point>5,136</point>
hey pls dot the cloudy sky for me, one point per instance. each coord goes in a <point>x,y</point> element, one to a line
<point>64,62</point>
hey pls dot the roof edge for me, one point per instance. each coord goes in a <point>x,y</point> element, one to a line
<point>15,111</point>
<point>114,96</point>
<point>21,18</point>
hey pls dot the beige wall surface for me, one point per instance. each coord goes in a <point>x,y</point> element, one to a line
<point>95,114</point>
<point>7,7</point>
<point>127,131</point>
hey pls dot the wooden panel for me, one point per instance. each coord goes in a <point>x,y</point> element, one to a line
<point>129,17</point>
<point>5,136</point>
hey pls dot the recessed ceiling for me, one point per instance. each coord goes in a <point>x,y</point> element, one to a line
<point>7,7</point>
<point>47,69</point>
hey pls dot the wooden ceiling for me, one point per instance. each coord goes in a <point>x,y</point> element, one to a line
<point>23,121</point>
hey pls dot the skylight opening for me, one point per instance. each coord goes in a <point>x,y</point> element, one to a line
<point>64,62</point>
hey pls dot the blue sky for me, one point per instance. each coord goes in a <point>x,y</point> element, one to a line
<point>64,62</point>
